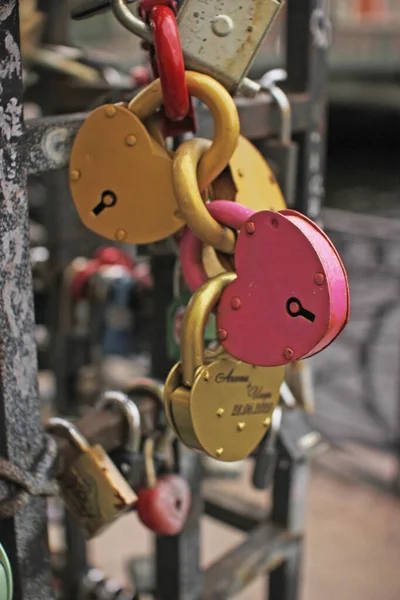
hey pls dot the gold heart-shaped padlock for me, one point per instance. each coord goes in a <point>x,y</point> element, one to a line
<point>116,171</point>
<point>249,180</point>
<point>121,178</point>
<point>215,403</point>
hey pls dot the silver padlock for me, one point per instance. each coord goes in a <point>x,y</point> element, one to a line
<point>218,38</point>
<point>282,152</point>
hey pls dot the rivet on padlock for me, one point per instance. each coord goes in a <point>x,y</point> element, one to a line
<point>92,487</point>
<point>279,310</point>
<point>282,153</point>
<point>121,178</point>
<point>127,458</point>
<point>163,503</point>
<point>221,406</point>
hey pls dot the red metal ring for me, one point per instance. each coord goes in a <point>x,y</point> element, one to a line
<point>170,63</point>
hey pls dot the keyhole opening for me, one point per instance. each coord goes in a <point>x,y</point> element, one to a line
<point>108,200</point>
<point>178,504</point>
<point>295,309</point>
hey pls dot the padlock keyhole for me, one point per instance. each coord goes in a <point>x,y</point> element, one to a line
<point>108,200</point>
<point>295,309</point>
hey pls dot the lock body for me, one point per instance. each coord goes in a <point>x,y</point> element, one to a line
<point>227,410</point>
<point>121,179</point>
<point>95,491</point>
<point>221,39</point>
<point>249,180</point>
<point>6,579</point>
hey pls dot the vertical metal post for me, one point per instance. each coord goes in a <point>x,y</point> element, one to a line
<point>288,511</point>
<point>24,537</point>
<point>178,574</point>
<point>308,39</point>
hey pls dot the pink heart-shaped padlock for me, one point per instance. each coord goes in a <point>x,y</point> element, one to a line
<point>291,297</point>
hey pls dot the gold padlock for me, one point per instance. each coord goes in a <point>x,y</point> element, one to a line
<point>249,180</point>
<point>92,487</point>
<point>222,407</point>
<point>121,177</point>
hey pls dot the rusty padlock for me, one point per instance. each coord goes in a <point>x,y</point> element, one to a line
<point>291,296</point>
<point>92,487</point>
<point>220,406</point>
<point>121,177</point>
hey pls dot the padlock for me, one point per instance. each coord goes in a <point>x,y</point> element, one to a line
<point>163,503</point>
<point>121,178</point>
<point>289,306</point>
<point>175,314</point>
<point>128,458</point>
<point>93,489</point>
<point>282,152</point>
<point>221,407</point>
<point>6,579</point>
<point>220,40</point>
<point>248,180</point>
<point>265,461</point>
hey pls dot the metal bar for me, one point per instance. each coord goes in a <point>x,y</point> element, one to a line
<point>288,511</point>
<point>232,510</point>
<point>178,574</point>
<point>264,549</point>
<point>308,40</point>
<point>24,537</point>
<point>49,140</point>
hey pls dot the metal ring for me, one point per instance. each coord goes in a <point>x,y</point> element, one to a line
<point>131,21</point>
<point>131,413</point>
<point>223,110</point>
<point>170,64</point>
<point>190,202</point>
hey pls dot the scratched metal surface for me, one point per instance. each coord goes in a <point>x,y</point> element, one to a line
<point>24,537</point>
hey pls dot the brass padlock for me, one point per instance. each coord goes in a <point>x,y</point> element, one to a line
<point>92,487</point>
<point>121,177</point>
<point>222,407</point>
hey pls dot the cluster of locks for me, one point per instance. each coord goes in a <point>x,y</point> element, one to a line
<point>263,282</point>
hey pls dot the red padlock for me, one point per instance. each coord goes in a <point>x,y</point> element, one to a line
<point>163,504</point>
<point>291,297</point>
<point>106,255</point>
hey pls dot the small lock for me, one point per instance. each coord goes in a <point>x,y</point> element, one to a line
<point>164,502</point>
<point>221,406</point>
<point>92,487</point>
<point>282,152</point>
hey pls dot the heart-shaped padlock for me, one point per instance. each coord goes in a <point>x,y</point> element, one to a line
<point>163,504</point>
<point>291,297</point>
<point>219,405</point>
<point>249,180</point>
<point>121,177</point>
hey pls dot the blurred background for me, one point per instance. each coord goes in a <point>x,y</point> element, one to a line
<point>353,526</point>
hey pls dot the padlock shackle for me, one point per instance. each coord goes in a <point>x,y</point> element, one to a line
<point>131,414</point>
<point>149,466</point>
<point>195,320</point>
<point>130,21</point>
<point>56,424</point>
<point>268,83</point>
<point>215,158</point>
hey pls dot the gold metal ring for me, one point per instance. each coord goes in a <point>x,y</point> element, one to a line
<point>223,110</point>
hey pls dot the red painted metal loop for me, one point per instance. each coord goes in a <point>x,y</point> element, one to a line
<point>170,64</point>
